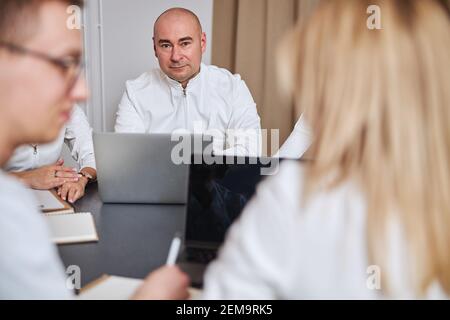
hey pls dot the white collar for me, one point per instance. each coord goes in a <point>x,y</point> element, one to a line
<point>175,86</point>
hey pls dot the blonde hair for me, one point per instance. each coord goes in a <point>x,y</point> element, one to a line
<point>378,103</point>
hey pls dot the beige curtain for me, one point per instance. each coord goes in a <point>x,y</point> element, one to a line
<point>245,37</point>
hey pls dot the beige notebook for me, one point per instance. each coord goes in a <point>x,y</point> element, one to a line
<point>50,203</point>
<point>72,228</point>
<point>118,288</point>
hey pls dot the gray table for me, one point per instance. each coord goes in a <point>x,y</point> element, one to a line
<point>133,239</point>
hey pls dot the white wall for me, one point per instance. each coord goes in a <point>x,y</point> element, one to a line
<point>118,42</point>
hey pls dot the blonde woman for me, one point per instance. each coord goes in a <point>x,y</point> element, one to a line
<point>370,217</point>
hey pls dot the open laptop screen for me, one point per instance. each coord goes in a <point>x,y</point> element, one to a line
<point>218,194</point>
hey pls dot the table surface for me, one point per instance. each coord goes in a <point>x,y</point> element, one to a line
<point>134,239</point>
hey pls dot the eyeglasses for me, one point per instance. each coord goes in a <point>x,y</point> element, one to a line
<point>70,66</point>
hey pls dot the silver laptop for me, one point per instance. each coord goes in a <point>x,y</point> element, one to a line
<point>139,168</point>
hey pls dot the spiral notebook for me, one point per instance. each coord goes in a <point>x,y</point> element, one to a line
<point>118,288</point>
<point>72,228</point>
<point>50,203</point>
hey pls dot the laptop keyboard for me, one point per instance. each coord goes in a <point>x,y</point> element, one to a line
<point>200,255</point>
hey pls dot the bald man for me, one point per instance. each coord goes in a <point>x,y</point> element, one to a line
<point>186,94</point>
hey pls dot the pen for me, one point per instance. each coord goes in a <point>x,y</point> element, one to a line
<point>174,250</point>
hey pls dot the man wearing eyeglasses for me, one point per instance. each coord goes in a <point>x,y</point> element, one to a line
<point>39,165</point>
<point>39,84</point>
